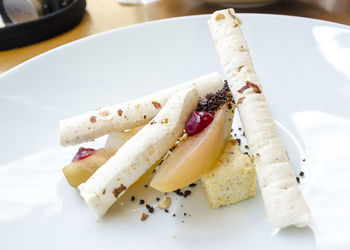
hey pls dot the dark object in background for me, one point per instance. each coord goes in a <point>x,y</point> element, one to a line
<point>23,22</point>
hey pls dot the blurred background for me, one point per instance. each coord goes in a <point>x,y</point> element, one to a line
<point>102,15</point>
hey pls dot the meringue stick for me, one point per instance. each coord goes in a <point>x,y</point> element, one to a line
<point>283,200</point>
<point>139,153</point>
<point>128,115</point>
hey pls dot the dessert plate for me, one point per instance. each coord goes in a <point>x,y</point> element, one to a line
<point>303,66</point>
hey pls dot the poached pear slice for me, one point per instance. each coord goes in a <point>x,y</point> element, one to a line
<point>79,171</point>
<point>196,155</point>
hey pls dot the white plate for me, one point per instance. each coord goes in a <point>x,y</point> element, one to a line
<point>304,68</point>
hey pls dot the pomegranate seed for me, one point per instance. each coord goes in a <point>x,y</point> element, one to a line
<point>82,154</point>
<point>198,122</point>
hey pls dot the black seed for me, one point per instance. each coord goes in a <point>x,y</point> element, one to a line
<point>142,202</point>
<point>187,193</point>
<point>157,199</point>
<point>301,173</point>
<point>298,179</point>
<point>166,210</point>
<point>178,192</point>
<point>193,185</point>
<point>132,198</point>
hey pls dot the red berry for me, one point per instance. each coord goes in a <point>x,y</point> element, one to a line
<point>198,122</point>
<point>82,154</point>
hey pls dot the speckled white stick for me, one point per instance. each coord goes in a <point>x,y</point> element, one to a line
<point>283,200</point>
<point>139,153</point>
<point>128,115</point>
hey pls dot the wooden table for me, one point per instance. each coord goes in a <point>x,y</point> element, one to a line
<point>104,15</point>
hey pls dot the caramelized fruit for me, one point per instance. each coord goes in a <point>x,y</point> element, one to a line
<point>196,155</point>
<point>80,170</point>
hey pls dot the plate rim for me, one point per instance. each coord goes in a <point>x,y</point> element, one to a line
<point>152,22</point>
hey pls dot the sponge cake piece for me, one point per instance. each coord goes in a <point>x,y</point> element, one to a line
<point>232,179</point>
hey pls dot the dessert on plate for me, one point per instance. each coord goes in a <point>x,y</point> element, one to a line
<point>183,134</point>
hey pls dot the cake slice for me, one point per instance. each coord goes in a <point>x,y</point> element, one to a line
<point>232,179</point>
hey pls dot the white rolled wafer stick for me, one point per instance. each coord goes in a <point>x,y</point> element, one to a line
<point>128,115</point>
<point>139,153</point>
<point>283,200</point>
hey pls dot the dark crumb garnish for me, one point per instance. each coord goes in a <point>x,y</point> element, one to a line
<point>150,208</point>
<point>298,179</point>
<point>235,135</point>
<point>192,185</point>
<point>185,214</point>
<point>144,217</point>
<point>166,210</point>
<point>146,186</point>
<point>157,199</point>
<point>239,128</point>
<point>153,171</point>
<point>239,141</point>
<point>212,102</point>
<point>246,153</point>
<point>178,192</point>
<point>172,148</point>
<point>231,130</point>
<point>301,173</point>
<point>243,134</point>
<point>132,198</point>
<point>304,159</point>
<point>165,193</point>
<point>187,193</point>
<point>246,146</point>
<point>174,215</point>
<point>142,202</point>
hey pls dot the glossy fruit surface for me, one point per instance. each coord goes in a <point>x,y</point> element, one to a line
<point>198,122</point>
<point>195,156</point>
<point>79,171</point>
<point>82,154</point>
